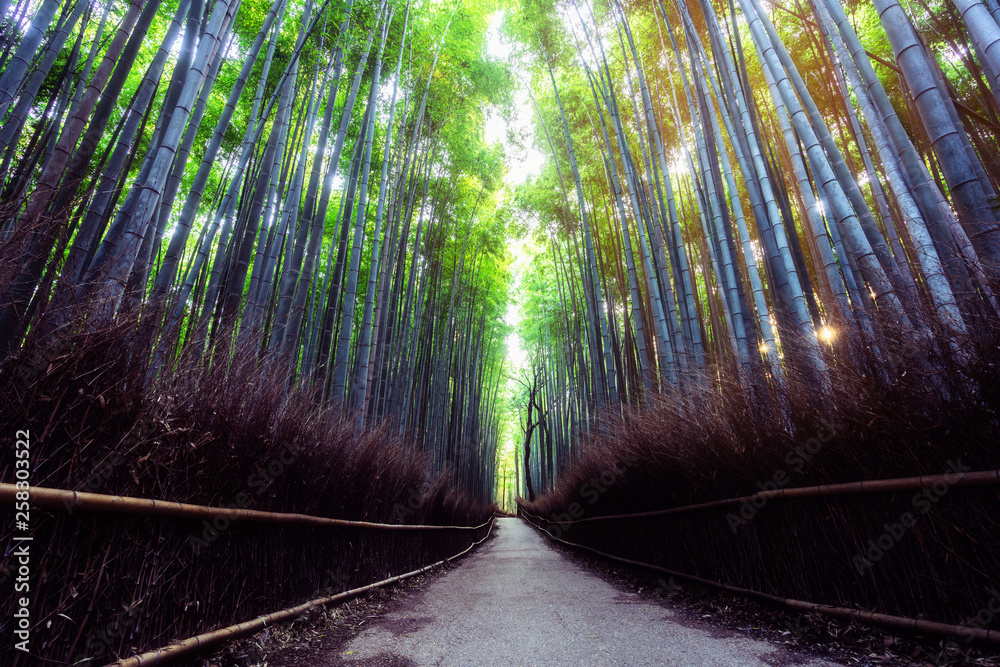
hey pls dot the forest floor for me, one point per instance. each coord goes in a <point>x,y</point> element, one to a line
<point>519,601</point>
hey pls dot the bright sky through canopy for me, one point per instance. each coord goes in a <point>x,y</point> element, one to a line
<point>525,161</point>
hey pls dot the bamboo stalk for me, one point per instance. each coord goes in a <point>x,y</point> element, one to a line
<point>873,618</point>
<point>166,654</point>
<point>982,478</point>
<point>95,502</point>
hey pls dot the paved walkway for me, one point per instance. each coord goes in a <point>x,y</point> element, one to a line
<point>516,601</point>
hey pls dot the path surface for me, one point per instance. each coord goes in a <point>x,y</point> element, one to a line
<point>518,602</point>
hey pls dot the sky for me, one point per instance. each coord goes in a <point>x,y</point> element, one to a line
<point>525,162</point>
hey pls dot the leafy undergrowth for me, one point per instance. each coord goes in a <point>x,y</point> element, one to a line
<point>229,434</point>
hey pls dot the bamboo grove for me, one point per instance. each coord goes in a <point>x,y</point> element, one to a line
<point>736,194</point>
<point>749,194</point>
<point>301,183</point>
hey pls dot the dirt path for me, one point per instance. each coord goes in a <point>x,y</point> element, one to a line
<point>518,602</point>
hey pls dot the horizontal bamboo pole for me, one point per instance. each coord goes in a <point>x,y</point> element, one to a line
<point>191,645</point>
<point>915,625</point>
<point>94,502</point>
<point>983,478</point>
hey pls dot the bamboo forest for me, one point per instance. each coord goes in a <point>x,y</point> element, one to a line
<point>301,295</point>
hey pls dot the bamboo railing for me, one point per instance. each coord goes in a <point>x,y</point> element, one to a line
<point>48,498</point>
<point>93,502</point>
<point>967,479</point>
<point>918,625</point>
<point>981,478</point>
<point>201,642</point>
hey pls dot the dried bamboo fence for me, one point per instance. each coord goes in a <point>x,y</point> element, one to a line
<point>204,641</point>
<point>96,502</point>
<point>860,570</point>
<point>125,572</point>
